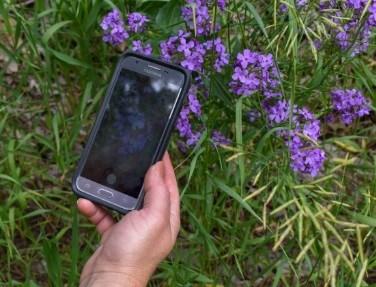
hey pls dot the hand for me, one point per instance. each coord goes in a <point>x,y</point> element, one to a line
<point>131,249</point>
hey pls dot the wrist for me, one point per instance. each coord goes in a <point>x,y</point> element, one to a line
<point>113,279</point>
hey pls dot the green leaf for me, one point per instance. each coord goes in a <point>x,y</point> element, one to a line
<point>7,177</point>
<point>85,98</point>
<point>363,219</point>
<point>44,141</point>
<point>52,30</point>
<point>239,139</point>
<point>258,19</point>
<point>168,15</point>
<point>53,260</point>
<point>229,191</point>
<point>55,129</point>
<point>221,91</point>
<point>68,59</point>
<point>74,249</point>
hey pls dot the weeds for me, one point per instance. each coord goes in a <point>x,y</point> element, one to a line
<point>247,218</point>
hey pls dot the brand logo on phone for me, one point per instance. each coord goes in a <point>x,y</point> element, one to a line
<point>148,71</point>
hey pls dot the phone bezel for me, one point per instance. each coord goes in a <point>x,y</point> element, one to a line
<point>119,201</point>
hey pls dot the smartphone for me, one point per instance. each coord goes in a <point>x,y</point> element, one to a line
<point>131,131</point>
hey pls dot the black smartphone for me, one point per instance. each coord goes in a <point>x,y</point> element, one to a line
<point>131,131</point>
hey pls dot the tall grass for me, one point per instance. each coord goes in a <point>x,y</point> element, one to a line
<point>247,218</point>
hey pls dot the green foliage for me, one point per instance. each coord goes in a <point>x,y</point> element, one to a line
<point>247,219</point>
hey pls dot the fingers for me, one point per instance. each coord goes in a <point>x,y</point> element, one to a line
<point>97,215</point>
<point>172,185</point>
<point>157,197</point>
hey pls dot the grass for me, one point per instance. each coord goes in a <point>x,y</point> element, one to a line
<point>247,219</point>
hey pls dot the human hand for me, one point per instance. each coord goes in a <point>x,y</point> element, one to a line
<point>131,249</point>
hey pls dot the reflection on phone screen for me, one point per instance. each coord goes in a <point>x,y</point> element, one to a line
<point>130,131</point>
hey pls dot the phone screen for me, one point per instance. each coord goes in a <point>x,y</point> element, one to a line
<point>131,129</point>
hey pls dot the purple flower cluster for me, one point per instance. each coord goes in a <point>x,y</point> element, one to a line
<point>114,31</point>
<point>278,113</point>
<point>357,4</point>
<point>190,53</point>
<point>194,104</point>
<point>137,47</point>
<point>255,72</point>
<point>305,155</point>
<point>113,28</point>
<point>185,128</point>
<point>183,122</point>
<point>345,38</point>
<point>136,22</point>
<point>184,50</point>
<point>308,160</point>
<point>190,134</point>
<point>349,104</point>
<point>351,35</point>
<point>202,24</point>
<point>221,56</point>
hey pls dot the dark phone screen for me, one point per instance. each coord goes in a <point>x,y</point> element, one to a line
<point>131,129</point>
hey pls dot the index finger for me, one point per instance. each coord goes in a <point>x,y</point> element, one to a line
<point>170,180</point>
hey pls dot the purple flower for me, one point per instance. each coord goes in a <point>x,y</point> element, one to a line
<point>307,161</point>
<point>301,3</point>
<point>182,123</point>
<point>194,61</point>
<point>202,21</point>
<point>136,22</point>
<point>327,4</point>
<point>283,8</point>
<point>113,28</point>
<point>312,130</point>
<point>182,147</point>
<point>247,58</point>
<point>356,4</point>
<point>279,112</point>
<point>305,115</point>
<point>193,138</point>
<point>255,72</point>
<point>253,115</point>
<point>372,11</point>
<point>349,104</point>
<point>221,5</point>
<point>219,139</point>
<point>194,104</point>
<point>221,56</point>
<point>329,118</point>
<point>305,156</point>
<point>181,50</point>
<point>169,49</point>
<point>349,32</point>
<point>137,47</point>
<point>185,47</point>
<point>185,124</point>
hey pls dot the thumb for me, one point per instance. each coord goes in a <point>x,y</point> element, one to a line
<point>157,197</point>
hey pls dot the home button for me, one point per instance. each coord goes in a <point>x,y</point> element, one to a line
<point>105,193</point>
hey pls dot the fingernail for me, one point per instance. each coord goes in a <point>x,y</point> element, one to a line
<point>158,169</point>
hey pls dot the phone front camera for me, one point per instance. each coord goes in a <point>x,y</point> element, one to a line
<point>111,178</point>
